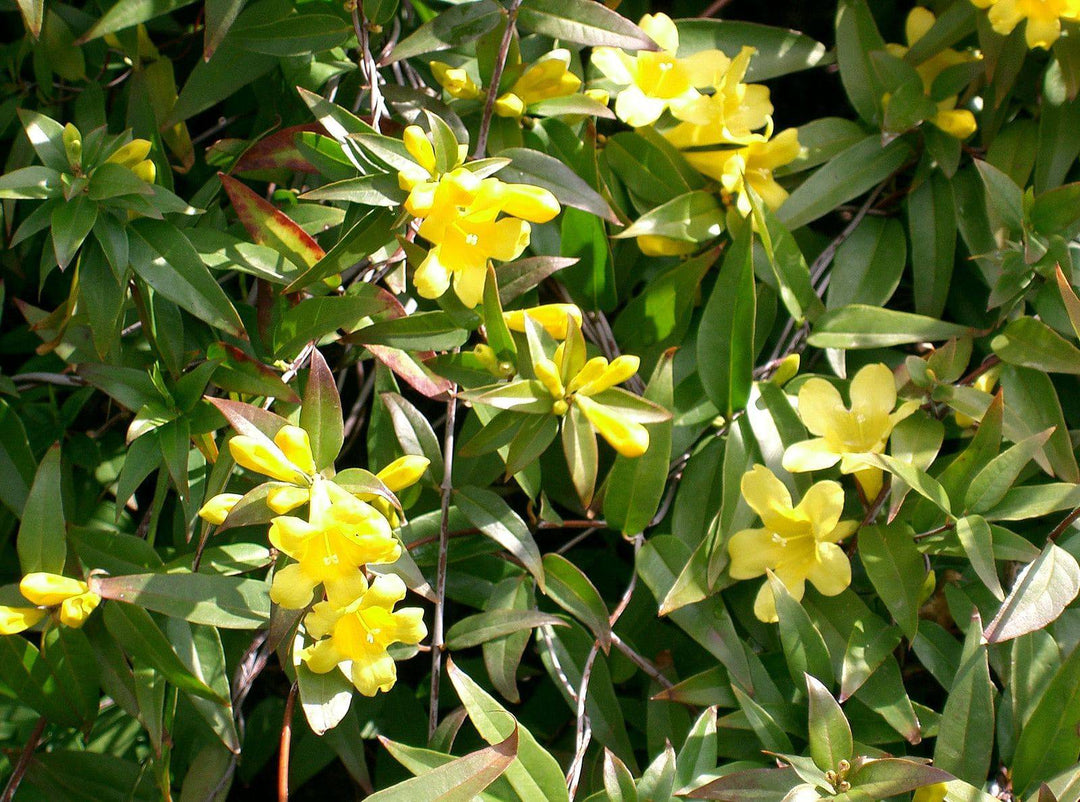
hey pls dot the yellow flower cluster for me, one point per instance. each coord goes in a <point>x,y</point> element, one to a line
<point>1043,18</point>
<point>342,534</point>
<point>958,123</point>
<point>69,600</point>
<point>719,117</point>
<point>547,78</point>
<point>798,543</point>
<point>469,220</point>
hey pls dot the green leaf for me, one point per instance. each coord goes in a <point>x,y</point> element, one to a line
<point>694,217</point>
<point>218,601</point>
<point>1030,343</point>
<point>325,698</point>
<point>568,587</point>
<point>420,331</point>
<point>414,432</point>
<point>584,22</point>
<point>919,480</point>
<point>271,227</point>
<point>1033,401</point>
<point>857,37</point>
<point>75,666</point>
<point>454,27</point>
<point>32,13</point>
<point>1055,212</point>
<point>163,257</point>
<point>859,326</point>
<point>140,637</point>
<point>295,35</point>
<point>591,280</point>
<point>128,13</point>
<point>636,485</point>
<point>804,649</point>
<point>1043,589</point>
<point>370,233</point>
<point>931,218</point>
<point>895,567</point>
<point>320,413</point>
<point>977,540</point>
<point>502,655</point>
<point>791,274</point>
<point>992,482</point>
<point>887,777</point>
<point>750,785</point>
<point>42,540</point>
<point>71,223</point>
<point>459,780</point>
<point>491,515</point>
<point>779,51</point>
<point>473,630</point>
<point>698,753</point>
<point>314,318</point>
<point>220,15</point>
<point>848,175</point>
<point>618,781</point>
<point>30,183</point>
<point>1049,743</point>
<point>579,447</point>
<point>534,773</point>
<point>965,739</point>
<point>830,733</point>
<point>539,169</point>
<point>725,338</point>
<point>199,647</point>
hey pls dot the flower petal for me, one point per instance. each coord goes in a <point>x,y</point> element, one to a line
<point>752,551</point>
<point>17,619</point>
<point>820,405</point>
<point>810,455</point>
<point>768,497</point>
<point>873,391</point>
<point>661,29</point>
<point>292,588</point>
<point>432,278</point>
<point>48,590</point>
<point>831,571</point>
<point>322,657</point>
<point>822,505</point>
<point>373,671</point>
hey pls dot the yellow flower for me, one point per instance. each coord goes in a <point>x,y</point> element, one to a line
<point>750,166</point>
<point>1043,18</point>
<point>217,509</point>
<point>627,437</point>
<point>795,543</point>
<point>656,81</point>
<point>657,245</point>
<point>844,435</point>
<point>286,458</point>
<point>133,156</point>
<point>958,123</point>
<point>354,636</point>
<point>548,77</point>
<point>984,383</point>
<point>554,318</point>
<point>456,81</point>
<point>341,534</point>
<point>931,793</point>
<point>729,115</point>
<point>403,472</point>
<point>72,598</point>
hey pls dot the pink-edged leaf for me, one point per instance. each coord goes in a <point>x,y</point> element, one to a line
<point>320,414</point>
<point>242,373</point>
<point>277,151</point>
<point>248,419</point>
<point>251,509</point>
<point>412,372</point>
<point>270,226</point>
<point>364,483</point>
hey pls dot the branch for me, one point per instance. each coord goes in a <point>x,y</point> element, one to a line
<point>496,79</point>
<point>24,761</point>
<point>286,744</point>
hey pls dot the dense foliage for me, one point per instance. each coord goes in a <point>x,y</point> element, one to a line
<point>506,400</point>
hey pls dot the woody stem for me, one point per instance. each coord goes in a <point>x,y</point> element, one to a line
<point>496,78</point>
<point>437,636</point>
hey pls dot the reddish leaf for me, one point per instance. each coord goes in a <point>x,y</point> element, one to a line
<point>276,151</point>
<point>413,372</point>
<point>270,226</point>
<point>248,419</point>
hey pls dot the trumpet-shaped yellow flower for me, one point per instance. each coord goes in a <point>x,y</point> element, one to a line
<point>1043,18</point>
<point>751,165</point>
<point>848,435</point>
<point>958,123</point>
<point>653,82</point>
<point>403,472</point>
<point>70,600</point>
<point>796,543</point>
<point>217,509</point>
<point>729,115</point>
<point>627,437</point>
<point>549,77</point>
<point>342,534</point>
<point>554,318</point>
<point>286,458</point>
<point>354,636</point>
<point>456,81</point>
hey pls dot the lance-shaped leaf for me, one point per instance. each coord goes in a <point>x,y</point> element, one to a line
<point>42,540</point>
<point>459,780</point>
<point>1042,591</point>
<point>830,733</point>
<point>472,630</point>
<point>219,601</point>
<point>966,737</point>
<point>269,226</point>
<point>1049,742</point>
<point>750,785</point>
<point>320,415</point>
<point>314,318</point>
<point>491,515</point>
<point>454,27</point>
<point>568,587</point>
<point>583,21</point>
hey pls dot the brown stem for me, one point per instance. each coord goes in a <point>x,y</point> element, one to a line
<point>24,761</point>
<point>285,746</point>
<point>496,77</point>
<point>1065,523</point>
<point>437,635</point>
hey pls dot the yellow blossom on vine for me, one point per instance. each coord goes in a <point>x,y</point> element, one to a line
<point>287,458</point>
<point>342,534</point>
<point>752,166</point>
<point>549,77</point>
<point>354,636</point>
<point>217,509</point>
<point>456,81</point>
<point>848,435</point>
<point>653,82</point>
<point>1043,18</point>
<point>553,318</point>
<point>796,543</point>
<point>958,123</point>
<point>71,600</point>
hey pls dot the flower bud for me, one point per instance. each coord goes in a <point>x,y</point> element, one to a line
<point>18,619</point>
<point>262,456</point>
<point>283,498</point>
<point>296,446</point>
<point>420,147</point>
<point>217,509</point>
<point>553,318</point>
<point>48,590</point>
<point>628,438</point>
<point>403,472</point>
<point>131,154</point>
<point>75,611</point>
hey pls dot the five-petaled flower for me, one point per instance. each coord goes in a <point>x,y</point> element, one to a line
<point>1043,18</point>
<point>848,435</point>
<point>796,543</point>
<point>70,600</point>
<point>354,637</point>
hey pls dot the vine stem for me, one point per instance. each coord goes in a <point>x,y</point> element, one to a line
<point>24,761</point>
<point>368,64</point>
<point>1066,522</point>
<point>285,746</point>
<point>496,78</point>
<point>437,634</point>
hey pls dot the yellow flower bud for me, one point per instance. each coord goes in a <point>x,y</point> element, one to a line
<point>420,147</point>
<point>145,170</point>
<point>509,105</point>
<point>262,456</point>
<point>296,446</point>
<point>786,370</point>
<point>48,590</point>
<point>75,611</point>
<point>403,472</point>
<point>628,438</point>
<point>656,245</point>
<point>282,499</point>
<point>455,81</point>
<point>17,619</point>
<point>620,369</point>
<point>554,318</point>
<point>930,793</point>
<point>601,96</point>
<point>131,154</point>
<point>548,374</point>
<point>217,509</point>
<point>591,370</point>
